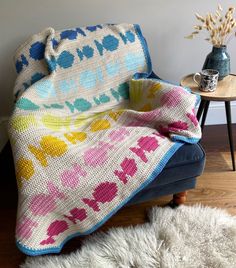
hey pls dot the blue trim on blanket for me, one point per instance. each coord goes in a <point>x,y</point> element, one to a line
<point>198,99</point>
<point>146,53</point>
<point>178,138</point>
<point>154,174</point>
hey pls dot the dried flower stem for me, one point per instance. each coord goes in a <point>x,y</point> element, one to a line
<point>221,28</point>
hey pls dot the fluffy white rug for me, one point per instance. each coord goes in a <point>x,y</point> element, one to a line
<point>186,237</point>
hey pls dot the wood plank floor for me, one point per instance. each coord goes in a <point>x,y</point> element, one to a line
<point>216,187</point>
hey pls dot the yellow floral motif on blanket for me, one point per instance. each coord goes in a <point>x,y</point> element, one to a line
<point>24,170</point>
<point>56,122</point>
<point>84,119</point>
<point>51,146</point>
<point>153,89</point>
<point>100,124</point>
<point>115,114</point>
<point>80,121</point>
<point>21,123</point>
<point>73,137</point>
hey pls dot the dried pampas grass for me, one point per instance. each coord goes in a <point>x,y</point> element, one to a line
<point>221,28</point>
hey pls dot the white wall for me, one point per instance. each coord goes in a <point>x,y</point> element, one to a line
<point>164,24</point>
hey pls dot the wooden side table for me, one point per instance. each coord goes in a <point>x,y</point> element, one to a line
<point>225,91</point>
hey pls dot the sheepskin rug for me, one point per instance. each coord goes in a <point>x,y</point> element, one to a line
<point>186,237</point>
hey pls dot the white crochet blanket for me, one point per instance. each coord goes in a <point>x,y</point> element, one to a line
<point>85,136</point>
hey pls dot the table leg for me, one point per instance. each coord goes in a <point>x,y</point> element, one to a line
<point>229,125</point>
<point>205,114</point>
<point>200,109</point>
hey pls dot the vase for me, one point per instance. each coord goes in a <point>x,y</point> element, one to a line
<point>219,60</point>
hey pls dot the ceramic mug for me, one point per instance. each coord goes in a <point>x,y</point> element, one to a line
<point>208,79</point>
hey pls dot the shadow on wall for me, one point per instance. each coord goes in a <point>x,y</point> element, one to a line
<point>8,75</point>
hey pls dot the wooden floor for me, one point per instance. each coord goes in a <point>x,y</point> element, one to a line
<point>216,187</point>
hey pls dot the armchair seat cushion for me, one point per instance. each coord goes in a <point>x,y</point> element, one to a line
<point>181,164</point>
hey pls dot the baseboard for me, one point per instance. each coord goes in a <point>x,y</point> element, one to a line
<point>216,114</point>
<point>3,132</point>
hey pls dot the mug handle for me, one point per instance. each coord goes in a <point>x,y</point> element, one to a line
<point>194,78</point>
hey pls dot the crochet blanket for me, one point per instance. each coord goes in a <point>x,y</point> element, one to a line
<point>85,136</point>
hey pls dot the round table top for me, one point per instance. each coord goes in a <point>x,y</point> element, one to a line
<point>225,91</point>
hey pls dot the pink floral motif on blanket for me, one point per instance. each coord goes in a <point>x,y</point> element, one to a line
<point>70,178</point>
<point>118,135</point>
<point>173,127</point>
<point>129,168</point>
<point>146,144</point>
<point>96,156</point>
<point>76,214</point>
<point>25,227</point>
<point>144,119</point>
<point>193,117</point>
<point>42,204</point>
<point>173,97</point>
<point>54,229</point>
<point>103,193</point>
